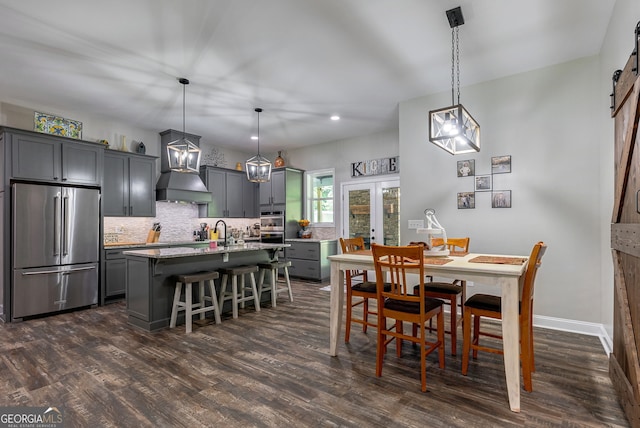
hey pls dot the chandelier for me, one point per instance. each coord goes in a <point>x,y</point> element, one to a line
<point>183,155</point>
<point>258,167</point>
<point>453,128</point>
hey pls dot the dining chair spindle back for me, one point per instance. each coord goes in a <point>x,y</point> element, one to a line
<point>449,291</point>
<point>361,290</point>
<point>485,305</point>
<point>399,265</point>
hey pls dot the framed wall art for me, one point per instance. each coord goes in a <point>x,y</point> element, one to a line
<point>466,200</point>
<point>483,183</point>
<point>501,164</point>
<point>501,199</point>
<point>466,168</point>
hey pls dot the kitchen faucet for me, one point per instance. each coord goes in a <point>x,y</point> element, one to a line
<point>215,230</point>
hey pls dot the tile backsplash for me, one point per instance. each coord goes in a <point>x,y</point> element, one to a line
<point>178,222</point>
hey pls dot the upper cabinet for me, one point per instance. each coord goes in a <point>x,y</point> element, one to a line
<point>232,194</point>
<point>55,159</point>
<point>129,185</point>
<point>284,190</point>
<point>274,192</point>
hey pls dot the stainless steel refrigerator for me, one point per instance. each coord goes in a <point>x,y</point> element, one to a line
<point>55,242</point>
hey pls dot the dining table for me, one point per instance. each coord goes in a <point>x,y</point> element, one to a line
<point>505,271</point>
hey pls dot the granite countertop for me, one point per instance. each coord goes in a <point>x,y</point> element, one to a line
<point>168,253</point>
<point>121,245</point>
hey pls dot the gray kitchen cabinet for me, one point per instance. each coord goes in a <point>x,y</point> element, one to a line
<point>309,259</point>
<point>115,274</point>
<point>232,194</point>
<point>55,159</point>
<point>250,199</point>
<point>129,185</point>
<point>274,192</point>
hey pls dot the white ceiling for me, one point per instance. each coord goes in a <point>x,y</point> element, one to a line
<point>300,60</point>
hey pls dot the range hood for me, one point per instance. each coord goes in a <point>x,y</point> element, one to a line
<point>177,186</point>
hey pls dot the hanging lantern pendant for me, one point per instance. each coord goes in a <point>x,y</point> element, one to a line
<point>453,128</point>
<point>183,155</point>
<point>258,167</point>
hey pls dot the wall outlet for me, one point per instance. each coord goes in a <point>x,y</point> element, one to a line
<point>119,229</point>
<point>416,224</point>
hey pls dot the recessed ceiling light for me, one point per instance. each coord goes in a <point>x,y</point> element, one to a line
<point>335,117</point>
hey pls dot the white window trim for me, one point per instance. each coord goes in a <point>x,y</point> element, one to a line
<point>307,191</point>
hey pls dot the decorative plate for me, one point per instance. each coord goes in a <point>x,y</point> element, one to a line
<point>56,125</point>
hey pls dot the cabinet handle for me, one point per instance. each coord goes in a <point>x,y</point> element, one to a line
<point>130,210</point>
<point>55,178</point>
<point>124,210</point>
<point>64,178</point>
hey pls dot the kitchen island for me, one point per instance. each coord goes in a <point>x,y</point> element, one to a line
<point>150,283</point>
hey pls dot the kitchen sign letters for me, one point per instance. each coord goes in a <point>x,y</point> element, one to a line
<point>375,167</point>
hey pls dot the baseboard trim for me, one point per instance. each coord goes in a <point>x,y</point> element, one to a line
<point>572,326</point>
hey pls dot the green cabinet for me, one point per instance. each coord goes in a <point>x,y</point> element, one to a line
<point>232,194</point>
<point>55,159</point>
<point>129,185</point>
<point>283,195</point>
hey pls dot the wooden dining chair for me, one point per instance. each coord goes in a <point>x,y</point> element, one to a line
<point>485,305</point>
<point>449,291</point>
<point>361,290</point>
<point>397,264</point>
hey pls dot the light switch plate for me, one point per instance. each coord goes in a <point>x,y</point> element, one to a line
<point>416,224</point>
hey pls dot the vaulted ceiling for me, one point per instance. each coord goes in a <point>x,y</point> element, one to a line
<point>300,60</point>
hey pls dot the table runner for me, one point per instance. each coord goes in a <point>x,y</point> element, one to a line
<point>498,260</point>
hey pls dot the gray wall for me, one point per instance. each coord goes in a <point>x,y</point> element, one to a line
<point>547,120</point>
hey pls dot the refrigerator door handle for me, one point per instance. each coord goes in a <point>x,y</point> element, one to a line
<point>65,233</point>
<point>66,271</point>
<point>56,225</point>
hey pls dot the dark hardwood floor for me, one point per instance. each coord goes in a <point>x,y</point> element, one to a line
<point>271,369</point>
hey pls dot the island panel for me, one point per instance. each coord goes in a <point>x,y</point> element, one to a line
<point>151,281</point>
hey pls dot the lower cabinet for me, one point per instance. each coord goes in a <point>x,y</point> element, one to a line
<point>309,258</point>
<point>115,275</point>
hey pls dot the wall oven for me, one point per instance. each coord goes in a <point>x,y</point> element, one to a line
<point>272,227</point>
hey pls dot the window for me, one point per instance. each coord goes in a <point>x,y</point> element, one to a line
<point>319,192</point>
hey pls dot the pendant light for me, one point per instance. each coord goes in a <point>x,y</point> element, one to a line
<point>183,155</point>
<point>453,128</point>
<point>258,167</point>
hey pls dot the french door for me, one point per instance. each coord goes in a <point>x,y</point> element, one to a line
<point>372,210</point>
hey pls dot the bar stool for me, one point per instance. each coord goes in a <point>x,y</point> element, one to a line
<point>272,268</point>
<point>238,296</point>
<point>187,305</point>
